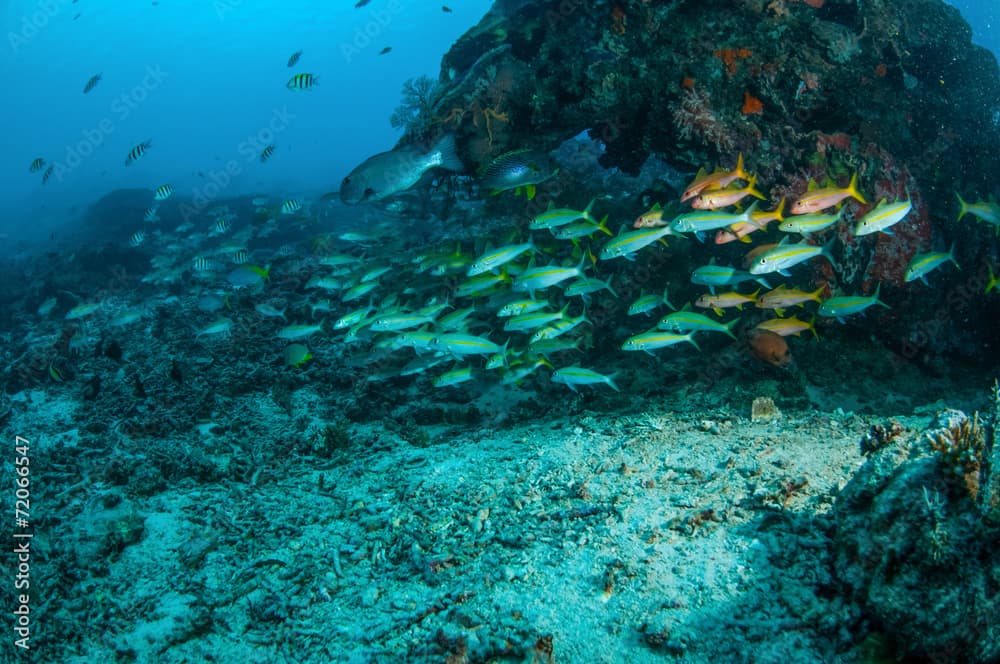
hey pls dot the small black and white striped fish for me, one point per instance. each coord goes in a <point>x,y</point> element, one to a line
<point>36,165</point>
<point>302,82</point>
<point>151,214</point>
<point>47,174</point>
<point>222,224</point>
<point>138,151</point>
<point>266,153</point>
<point>137,238</point>
<point>163,192</point>
<point>92,83</point>
<point>202,264</point>
<point>292,61</point>
<point>291,206</point>
<point>241,256</point>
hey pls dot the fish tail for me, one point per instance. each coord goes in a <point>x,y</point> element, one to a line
<point>740,171</point>
<point>729,329</point>
<point>963,206</point>
<point>878,289</point>
<point>752,188</point>
<point>951,255</point>
<point>602,225</point>
<point>689,337</point>
<point>812,327</point>
<point>587,214</point>
<point>815,295</point>
<point>666,301</point>
<point>852,189</point>
<point>992,282</point>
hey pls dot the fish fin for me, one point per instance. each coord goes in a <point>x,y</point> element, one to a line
<point>780,313</point>
<point>746,239</point>
<point>784,273</point>
<point>763,282</point>
<point>887,231</point>
<point>530,191</point>
<point>729,327</point>
<point>449,153</point>
<point>673,308</point>
<point>718,312</point>
<point>602,225</point>
<point>852,189</point>
<point>740,170</point>
<point>690,339</point>
<point>752,188</point>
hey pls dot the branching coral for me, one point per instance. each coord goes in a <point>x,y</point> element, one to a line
<point>414,112</point>
<point>962,446</point>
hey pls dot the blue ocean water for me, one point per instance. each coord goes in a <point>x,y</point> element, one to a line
<point>205,82</point>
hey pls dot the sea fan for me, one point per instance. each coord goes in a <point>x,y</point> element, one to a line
<point>414,113</point>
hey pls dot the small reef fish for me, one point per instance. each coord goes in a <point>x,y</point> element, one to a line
<point>163,192</point>
<point>453,377</point>
<point>151,214</point>
<point>807,224</point>
<point>712,200</point>
<point>690,321</point>
<point>220,326</point>
<point>587,285</point>
<point>47,174</point>
<point>817,199</point>
<point>520,307</point>
<point>841,306</point>
<point>91,83</point>
<point>573,376</point>
<point>465,344</point>
<point>787,326</point>
<point>720,179</point>
<point>921,264</point>
<point>988,211</point>
<point>782,298</point>
<point>580,229</point>
<point>703,221</point>
<point>539,278</point>
<point>388,173</point>
<point>555,217</point>
<point>247,275</point>
<point>302,82</point>
<point>785,256</point>
<point>627,243</point>
<point>713,275</point>
<point>127,317</point>
<point>644,304</point>
<point>653,339</point>
<point>520,170</point>
<point>82,311</point>
<point>651,218</point>
<point>46,307</point>
<point>769,347</point>
<point>496,258</point>
<point>292,332</point>
<point>137,152</point>
<point>293,59</point>
<point>291,206</point>
<point>883,216</point>
<point>266,153</point>
<point>385,50</point>
<point>269,311</point>
<point>36,165</point>
<point>295,355</point>
<point>137,238</point>
<point>730,300</point>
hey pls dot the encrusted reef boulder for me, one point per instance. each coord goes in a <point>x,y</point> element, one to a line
<point>918,539</point>
<point>893,90</point>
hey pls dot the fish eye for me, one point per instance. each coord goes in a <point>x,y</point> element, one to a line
<point>368,192</point>
<point>347,180</point>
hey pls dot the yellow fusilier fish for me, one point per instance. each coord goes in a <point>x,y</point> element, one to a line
<point>519,307</point>
<point>627,243</point>
<point>730,300</point>
<point>781,298</point>
<point>882,216</point>
<point>453,377</point>
<point>720,179</point>
<point>573,376</point>
<point>702,221</point>
<point>651,218</point>
<point>686,320</point>
<point>539,278</point>
<point>758,222</point>
<point>712,200</point>
<point>646,303</point>
<point>466,344</point>
<point>653,339</point>
<point>921,264</point>
<point>291,332</point>
<point>554,217</point>
<point>495,258</point>
<point>807,224</point>
<point>988,211</point>
<point>787,255</point>
<point>788,326</point>
<point>817,199</point>
<point>847,305</point>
